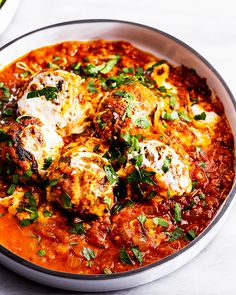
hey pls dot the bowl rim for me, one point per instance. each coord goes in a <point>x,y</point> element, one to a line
<point>215,220</point>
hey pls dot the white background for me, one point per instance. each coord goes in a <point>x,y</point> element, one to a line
<point>209,26</point>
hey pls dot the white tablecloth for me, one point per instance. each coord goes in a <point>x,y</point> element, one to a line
<point>209,26</point>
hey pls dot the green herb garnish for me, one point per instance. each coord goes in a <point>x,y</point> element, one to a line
<point>66,201</point>
<point>201,116</point>
<point>137,254</point>
<point>111,175</point>
<point>49,93</point>
<point>177,215</point>
<point>176,234</point>
<point>124,256</point>
<point>141,176</point>
<point>91,87</point>
<point>166,164</point>
<point>160,221</point>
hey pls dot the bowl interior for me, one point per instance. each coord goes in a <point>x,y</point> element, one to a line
<point>145,38</point>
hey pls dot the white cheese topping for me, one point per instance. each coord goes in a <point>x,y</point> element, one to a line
<point>177,177</point>
<point>65,110</point>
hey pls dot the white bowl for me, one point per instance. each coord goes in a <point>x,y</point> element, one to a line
<point>7,12</point>
<point>162,45</point>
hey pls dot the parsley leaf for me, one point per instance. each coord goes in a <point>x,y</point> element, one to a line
<point>184,117</point>
<point>201,116</point>
<point>110,64</point>
<point>166,164</point>
<point>101,124</point>
<point>41,253</point>
<point>142,122</point>
<point>169,116</point>
<point>141,176</point>
<point>142,218</point>
<point>190,235</point>
<point>160,221</point>
<point>111,175</point>
<point>66,201</point>
<point>128,98</point>
<point>176,234</point>
<point>124,256</point>
<point>77,228</point>
<point>177,215</point>
<point>49,92</point>
<point>137,254</point>
<point>108,201</point>
<point>91,87</point>
<point>47,163</point>
<point>88,253</point>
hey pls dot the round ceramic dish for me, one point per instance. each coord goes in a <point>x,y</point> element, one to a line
<point>7,11</point>
<point>162,45</point>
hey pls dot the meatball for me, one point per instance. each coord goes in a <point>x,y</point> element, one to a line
<point>162,171</point>
<point>78,182</point>
<point>28,147</point>
<point>128,108</point>
<point>59,99</point>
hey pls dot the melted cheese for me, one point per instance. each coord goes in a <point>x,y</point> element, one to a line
<point>65,113</point>
<point>177,177</point>
<point>42,142</point>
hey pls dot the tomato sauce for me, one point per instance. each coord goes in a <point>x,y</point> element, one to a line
<point>122,240</point>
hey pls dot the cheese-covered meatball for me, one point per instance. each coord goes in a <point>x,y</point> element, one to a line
<point>27,148</point>
<point>162,167</point>
<point>78,181</point>
<point>129,108</point>
<point>59,99</point>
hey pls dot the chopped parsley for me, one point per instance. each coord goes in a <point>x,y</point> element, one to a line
<point>169,116</point>
<point>91,87</point>
<point>24,74</point>
<point>41,253</point>
<point>137,254</point>
<point>177,214</point>
<point>7,112</point>
<point>141,176</point>
<point>111,175</point>
<point>142,218</point>
<point>11,189</point>
<point>184,117</point>
<point>88,253</point>
<point>110,64</point>
<point>166,164</point>
<point>49,92</point>
<point>202,164</point>
<point>47,213</point>
<point>77,228</point>
<point>124,256</point>
<point>190,235</point>
<point>201,116</point>
<point>66,201</point>
<point>129,99</point>
<point>108,201</point>
<point>160,221</point>
<point>176,234</point>
<point>53,182</point>
<point>30,207</point>
<point>47,163</point>
<point>142,122</point>
<point>5,90</point>
<point>101,124</point>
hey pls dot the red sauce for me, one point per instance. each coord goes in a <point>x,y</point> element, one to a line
<point>51,243</point>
